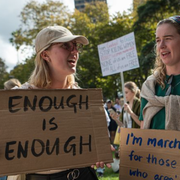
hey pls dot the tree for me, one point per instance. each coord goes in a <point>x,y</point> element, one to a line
<point>148,15</point>
<point>99,31</point>
<point>96,24</point>
<point>23,70</point>
<point>36,16</point>
<point>3,73</point>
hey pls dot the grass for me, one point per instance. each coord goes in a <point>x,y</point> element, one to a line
<point>109,174</point>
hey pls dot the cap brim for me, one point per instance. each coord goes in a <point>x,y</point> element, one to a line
<point>80,39</point>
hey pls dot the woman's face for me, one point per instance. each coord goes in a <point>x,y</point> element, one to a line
<point>61,60</point>
<point>109,105</point>
<point>129,94</point>
<point>168,44</point>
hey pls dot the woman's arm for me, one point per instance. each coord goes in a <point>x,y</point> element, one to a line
<point>132,114</point>
<point>142,124</point>
<point>115,117</point>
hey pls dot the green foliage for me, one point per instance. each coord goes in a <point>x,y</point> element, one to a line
<point>148,15</point>
<point>89,70</point>
<point>99,27</point>
<point>97,12</point>
<point>36,16</point>
<point>109,175</point>
<point>23,71</point>
<point>3,73</point>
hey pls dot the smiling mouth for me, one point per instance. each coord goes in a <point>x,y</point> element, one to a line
<point>72,62</point>
<point>165,54</point>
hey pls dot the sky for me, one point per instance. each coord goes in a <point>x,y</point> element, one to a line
<point>10,21</point>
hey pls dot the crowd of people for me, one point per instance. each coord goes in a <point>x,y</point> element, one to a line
<point>122,114</point>
<point>151,108</point>
<point>57,53</point>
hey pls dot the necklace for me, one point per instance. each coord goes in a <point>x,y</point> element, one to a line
<point>176,85</point>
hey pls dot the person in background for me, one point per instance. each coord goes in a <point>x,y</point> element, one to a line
<point>12,83</point>
<point>132,106</point>
<point>161,91</point>
<point>57,53</point>
<point>129,117</point>
<point>117,105</point>
<point>112,126</point>
<point>122,102</point>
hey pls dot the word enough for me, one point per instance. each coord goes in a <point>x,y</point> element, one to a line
<point>45,103</point>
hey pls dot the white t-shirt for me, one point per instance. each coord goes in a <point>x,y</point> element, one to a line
<point>115,164</point>
<point>118,107</point>
<point>127,120</point>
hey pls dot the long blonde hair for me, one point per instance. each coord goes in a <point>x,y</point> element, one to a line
<point>160,68</point>
<point>40,77</point>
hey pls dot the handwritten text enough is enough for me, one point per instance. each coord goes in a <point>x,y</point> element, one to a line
<point>46,103</point>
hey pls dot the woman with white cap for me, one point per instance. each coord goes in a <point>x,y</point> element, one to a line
<point>57,52</point>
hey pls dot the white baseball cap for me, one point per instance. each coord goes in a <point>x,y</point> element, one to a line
<point>55,34</point>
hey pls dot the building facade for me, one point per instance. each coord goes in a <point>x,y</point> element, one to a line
<point>80,4</point>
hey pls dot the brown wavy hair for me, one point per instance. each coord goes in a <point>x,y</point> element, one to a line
<point>160,69</point>
<point>133,88</point>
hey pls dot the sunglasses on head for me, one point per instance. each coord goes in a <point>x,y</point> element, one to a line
<point>176,19</point>
<point>169,82</point>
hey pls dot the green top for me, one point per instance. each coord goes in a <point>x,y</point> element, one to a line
<point>158,121</point>
<point>135,109</point>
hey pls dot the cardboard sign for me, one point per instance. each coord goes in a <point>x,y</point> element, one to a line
<point>149,154</point>
<point>118,55</point>
<point>52,130</point>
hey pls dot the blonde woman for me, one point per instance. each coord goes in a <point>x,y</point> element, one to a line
<point>55,65</point>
